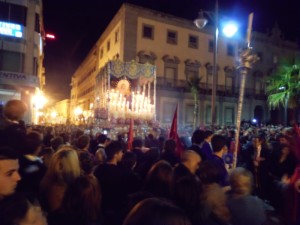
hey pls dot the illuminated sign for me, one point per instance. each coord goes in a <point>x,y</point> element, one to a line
<point>13,78</point>
<point>11,29</point>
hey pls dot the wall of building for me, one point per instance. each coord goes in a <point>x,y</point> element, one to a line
<point>21,51</point>
<point>129,23</point>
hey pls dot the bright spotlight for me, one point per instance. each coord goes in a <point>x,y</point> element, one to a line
<point>230,29</point>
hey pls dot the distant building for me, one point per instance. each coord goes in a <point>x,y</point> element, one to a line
<point>21,52</point>
<point>180,51</point>
<point>57,113</point>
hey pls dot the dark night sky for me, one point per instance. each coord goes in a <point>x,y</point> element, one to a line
<point>78,24</point>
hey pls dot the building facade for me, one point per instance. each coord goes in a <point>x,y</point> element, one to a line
<point>180,53</point>
<point>21,53</point>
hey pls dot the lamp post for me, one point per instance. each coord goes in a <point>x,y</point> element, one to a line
<point>201,22</point>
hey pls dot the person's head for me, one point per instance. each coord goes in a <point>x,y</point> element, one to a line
<point>154,211</point>
<point>241,181</point>
<point>187,192</point>
<point>218,143</point>
<point>86,162</point>
<point>102,139</point>
<point>283,139</point>
<point>56,142</point>
<point>14,109</point>
<point>33,143</point>
<point>83,142</point>
<point>159,179</point>
<point>64,166</point>
<point>191,160</point>
<point>209,172</point>
<point>258,140</point>
<point>208,135</point>
<point>170,146</point>
<point>137,143</point>
<point>82,199</point>
<point>114,151</point>
<point>9,166</point>
<point>22,210</point>
<point>129,160</point>
<point>198,137</point>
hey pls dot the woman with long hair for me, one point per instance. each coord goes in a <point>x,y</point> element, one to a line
<point>63,169</point>
<point>81,203</point>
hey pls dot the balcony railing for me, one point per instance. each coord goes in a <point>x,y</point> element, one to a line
<point>222,90</point>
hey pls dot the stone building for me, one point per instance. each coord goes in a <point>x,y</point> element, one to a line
<point>21,52</point>
<point>180,52</point>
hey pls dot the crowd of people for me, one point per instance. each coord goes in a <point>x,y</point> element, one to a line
<point>63,175</point>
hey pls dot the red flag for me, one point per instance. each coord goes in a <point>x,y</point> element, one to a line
<point>130,135</point>
<point>174,135</point>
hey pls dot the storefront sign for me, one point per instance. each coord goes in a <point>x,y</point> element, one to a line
<point>11,29</point>
<point>22,79</point>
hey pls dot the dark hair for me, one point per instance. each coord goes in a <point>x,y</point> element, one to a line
<point>218,142</point>
<point>198,136</point>
<point>8,153</point>
<point>170,146</point>
<point>209,172</point>
<point>154,211</point>
<point>33,140</point>
<point>86,162</point>
<point>128,160</point>
<point>187,192</point>
<point>137,143</point>
<point>207,133</point>
<point>13,208</point>
<point>159,179</point>
<point>56,142</point>
<point>112,148</point>
<point>102,138</point>
<point>82,200</point>
<point>83,141</point>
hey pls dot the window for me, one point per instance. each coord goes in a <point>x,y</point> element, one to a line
<point>108,46</point>
<point>210,46</point>
<point>116,36</point>
<point>229,81</point>
<point>191,75</point>
<point>208,114</point>
<point>189,113</point>
<point>13,13</point>
<point>230,50</point>
<point>209,73</point>
<point>192,70</point>
<point>37,23</point>
<point>258,86</point>
<point>168,111</point>
<point>193,41</point>
<point>229,116</point>
<point>148,31</point>
<point>172,37</point>
<point>170,74</point>
<point>11,61</point>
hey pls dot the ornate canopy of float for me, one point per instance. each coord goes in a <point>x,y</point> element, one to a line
<point>125,91</point>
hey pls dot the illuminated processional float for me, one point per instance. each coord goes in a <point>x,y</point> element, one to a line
<point>125,91</point>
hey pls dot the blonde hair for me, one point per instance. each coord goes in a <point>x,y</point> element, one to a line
<point>63,167</point>
<point>241,181</point>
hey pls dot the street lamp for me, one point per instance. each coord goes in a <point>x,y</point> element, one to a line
<point>229,30</point>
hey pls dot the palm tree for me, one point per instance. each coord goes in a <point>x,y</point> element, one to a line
<point>283,87</point>
<point>193,84</point>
